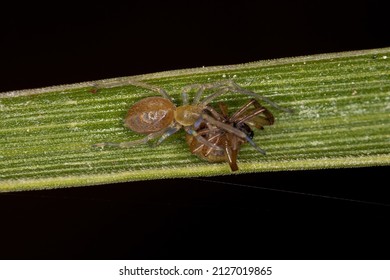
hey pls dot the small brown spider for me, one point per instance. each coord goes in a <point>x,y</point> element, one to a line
<point>158,117</point>
<point>228,133</point>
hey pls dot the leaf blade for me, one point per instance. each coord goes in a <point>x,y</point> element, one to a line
<point>341,119</point>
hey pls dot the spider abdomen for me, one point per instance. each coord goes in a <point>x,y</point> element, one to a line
<point>150,114</point>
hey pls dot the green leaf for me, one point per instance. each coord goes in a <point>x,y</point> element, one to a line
<point>341,118</point>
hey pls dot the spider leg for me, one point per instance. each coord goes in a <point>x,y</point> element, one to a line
<point>211,97</point>
<point>242,110</point>
<point>170,131</point>
<point>121,144</point>
<point>199,87</point>
<point>144,140</point>
<point>163,134</point>
<point>231,154</point>
<point>254,114</point>
<point>233,130</point>
<point>214,113</point>
<point>259,121</point>
<point>224,109</point>
<point>126,81</point>
<point>200,139</point>
<point>224,126</point>
<point>214,139</point>
<point>184,97</point>
<point>257,148</point>
<point>229,85</point>
<point>236,88</point>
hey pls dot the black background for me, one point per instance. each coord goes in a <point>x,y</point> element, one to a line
<point>323,214</point>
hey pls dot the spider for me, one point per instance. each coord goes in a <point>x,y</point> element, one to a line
<point>228,133</point>
<point>158,117</point>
